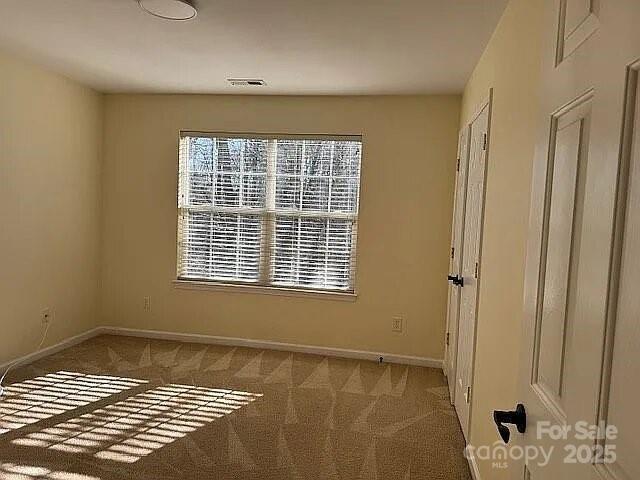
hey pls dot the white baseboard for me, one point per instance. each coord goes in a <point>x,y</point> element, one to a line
<point>231,341</point>
<point>473,466</point>
<point>45,352</point>
<point>289,347</point>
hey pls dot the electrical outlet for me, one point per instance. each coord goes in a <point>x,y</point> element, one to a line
<point>46,316</point>
<point>147,304</point>
<point>396,324</point>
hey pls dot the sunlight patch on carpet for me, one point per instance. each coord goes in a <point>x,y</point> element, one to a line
<point>14,471</point>
<point>40,398</point>
<point>131,429</point>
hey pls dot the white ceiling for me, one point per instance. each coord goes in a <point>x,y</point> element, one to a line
<point>297,46</point>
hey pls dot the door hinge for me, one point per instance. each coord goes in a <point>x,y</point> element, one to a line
<point>467,396</point>
<point>476,274</point>
<point>484,141</point>
<point>458,165</point>
<point>447,339</point>
<point>452,251</point>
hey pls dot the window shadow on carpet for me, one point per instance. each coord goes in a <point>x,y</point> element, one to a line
<point>124,431</point>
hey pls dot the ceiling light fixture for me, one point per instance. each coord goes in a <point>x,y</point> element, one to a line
<point>169,9</point>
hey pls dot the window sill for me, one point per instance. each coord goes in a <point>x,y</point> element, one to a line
<point>279,291</point>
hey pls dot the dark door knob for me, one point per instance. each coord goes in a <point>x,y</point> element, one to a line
<point>455,279</point>
<point>517,417</point>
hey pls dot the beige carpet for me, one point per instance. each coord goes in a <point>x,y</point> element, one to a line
<point>131,408</point>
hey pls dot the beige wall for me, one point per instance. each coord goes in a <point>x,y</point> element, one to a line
<point>510,65</point>
<point>50,142</point>
<point>403,234</point>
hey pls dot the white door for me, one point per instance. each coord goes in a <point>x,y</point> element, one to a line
<point>470,271</point>
<point>579,364</point>
<point>455,262</point>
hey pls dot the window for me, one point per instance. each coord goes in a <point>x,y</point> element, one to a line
<point>269,211</point>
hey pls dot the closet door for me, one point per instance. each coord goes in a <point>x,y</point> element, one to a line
<point>455,262</point>
<point>470,271</point>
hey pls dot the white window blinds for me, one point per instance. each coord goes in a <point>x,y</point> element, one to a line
<point>271,211</point>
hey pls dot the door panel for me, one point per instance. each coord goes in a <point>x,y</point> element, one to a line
<point>470,266</point>
<point>578,20</point>
<point>455,262</point>
<point>576,13</point>
<point>557,317</point>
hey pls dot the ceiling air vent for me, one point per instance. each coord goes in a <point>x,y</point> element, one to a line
<point>247,82</point>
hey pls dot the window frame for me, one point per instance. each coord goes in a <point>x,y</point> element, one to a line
<point>268,215</point>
